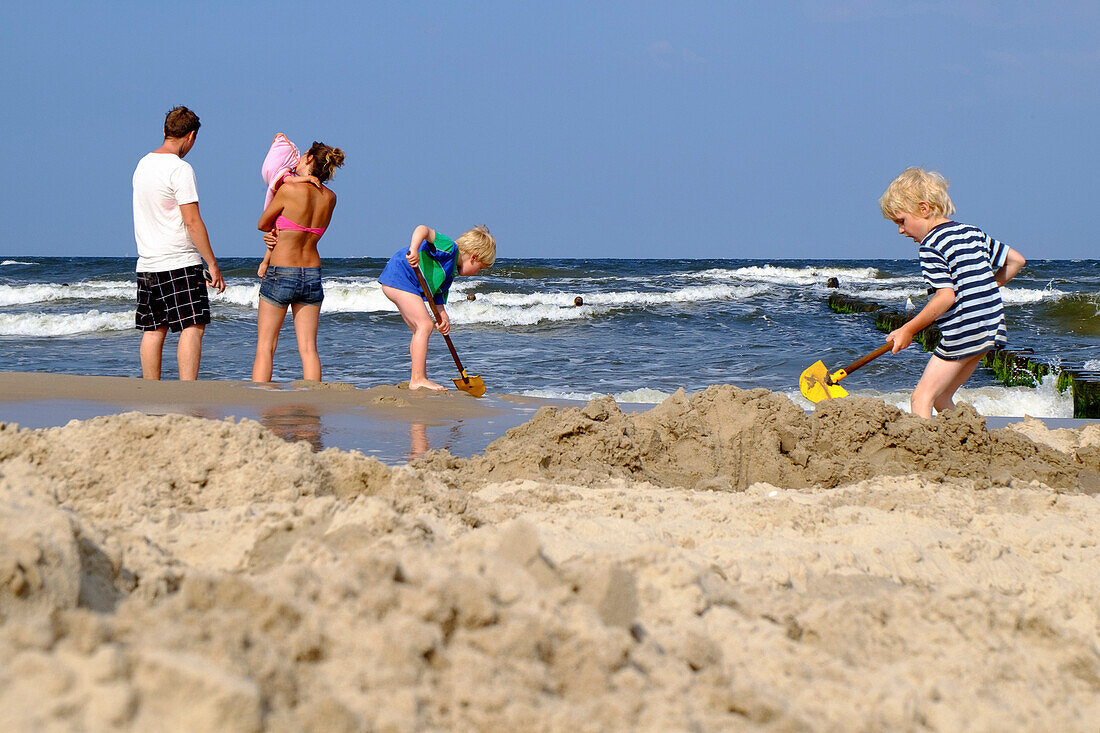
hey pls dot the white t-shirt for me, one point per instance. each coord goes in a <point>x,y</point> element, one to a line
<point>162,183</point>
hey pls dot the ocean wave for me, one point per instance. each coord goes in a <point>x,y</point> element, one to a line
<point>15,262</point>
<point>64,324</point>
<point>642,396</point>
<point>46,292</point>
<point>1016,296</point>
<point>514,309</point>
<point>795,275</point>
<point>350,296</point>
<point>243,295</point>
<point>880,295</point>
<point>354,295</point>
<point>1009,296</point>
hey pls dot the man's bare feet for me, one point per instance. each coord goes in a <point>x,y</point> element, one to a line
<point>426,384</point>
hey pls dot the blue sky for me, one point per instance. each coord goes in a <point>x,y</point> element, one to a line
<point>573,129</point>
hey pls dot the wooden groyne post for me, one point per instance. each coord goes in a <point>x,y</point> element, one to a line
<point>1013,367</point>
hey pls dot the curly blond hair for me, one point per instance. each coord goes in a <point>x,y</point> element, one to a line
<point>914,185</point>
<point>479,242</point>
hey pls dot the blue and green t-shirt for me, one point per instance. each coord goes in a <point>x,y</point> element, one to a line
<point>437,263</point>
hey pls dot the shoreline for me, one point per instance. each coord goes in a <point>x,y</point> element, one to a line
<point>387,422</point>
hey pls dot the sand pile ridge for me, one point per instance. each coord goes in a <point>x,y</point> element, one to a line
<point>727,438</point>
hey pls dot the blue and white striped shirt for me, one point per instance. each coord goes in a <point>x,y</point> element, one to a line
<point>965,259</point>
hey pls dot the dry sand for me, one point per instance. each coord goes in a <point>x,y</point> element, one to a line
<point>723,561</point>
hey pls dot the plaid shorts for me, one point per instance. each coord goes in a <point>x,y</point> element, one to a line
<point>174,298</point>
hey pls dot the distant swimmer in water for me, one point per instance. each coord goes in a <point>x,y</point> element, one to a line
<point>578,300</point>
<point>471,296</point>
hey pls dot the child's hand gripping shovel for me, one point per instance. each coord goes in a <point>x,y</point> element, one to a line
<point>470,384</point>
<point>817,384</point>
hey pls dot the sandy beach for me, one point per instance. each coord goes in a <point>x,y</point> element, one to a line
<point>721,561</point>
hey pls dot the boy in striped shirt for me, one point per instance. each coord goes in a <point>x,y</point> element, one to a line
<point>965,267</point>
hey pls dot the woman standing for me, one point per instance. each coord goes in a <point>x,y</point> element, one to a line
<point>294,222</point>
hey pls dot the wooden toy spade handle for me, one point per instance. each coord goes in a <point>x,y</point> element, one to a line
<point>863,361</point>
<point>435,312</point>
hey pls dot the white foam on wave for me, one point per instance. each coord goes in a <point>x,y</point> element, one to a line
<point>46,292</point>
<point>354,295</point>
<point>14,262</point>
<point>877,294</point>
<point>794,275</point>
<point>243,295</point>
<point>359,296</point>
<point>526,309</point>
<point>1017,296</point>
<point>1010,296</point>
<point>64,324</point>
<point>1092,364</point>
<point>642,396</point>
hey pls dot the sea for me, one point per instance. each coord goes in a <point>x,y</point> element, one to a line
<point>646,328</point>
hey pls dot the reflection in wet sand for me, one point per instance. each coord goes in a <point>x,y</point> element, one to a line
<point>293,423</point>
<point>418,440</point>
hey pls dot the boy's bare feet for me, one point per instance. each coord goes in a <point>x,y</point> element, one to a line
<point>426,384</point>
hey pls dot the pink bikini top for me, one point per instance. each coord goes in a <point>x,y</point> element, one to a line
<point>281,222</point>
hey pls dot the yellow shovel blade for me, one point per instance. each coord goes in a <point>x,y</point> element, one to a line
<point>813,385</point>
<point>474,386</point>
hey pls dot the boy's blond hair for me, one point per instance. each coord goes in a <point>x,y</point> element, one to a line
<point>478,241</point>
<point>904,194</point>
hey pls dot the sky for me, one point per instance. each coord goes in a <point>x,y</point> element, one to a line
<point>572,129</point>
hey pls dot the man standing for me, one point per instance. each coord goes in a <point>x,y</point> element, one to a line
<point>172,244</point>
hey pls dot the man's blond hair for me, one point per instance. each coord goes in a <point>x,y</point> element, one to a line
<point>904,194</point>
<point>480,243</point>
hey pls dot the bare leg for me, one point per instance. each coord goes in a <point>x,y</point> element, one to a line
<point>269,320</point>
<point>189,351</point>
<point>946,401</point>
<point>306,319</point>
<point>939,382</point>
<point>152,348</point>
<point>417,318</point>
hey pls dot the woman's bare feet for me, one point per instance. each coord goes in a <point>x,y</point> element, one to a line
<point>426,384</point>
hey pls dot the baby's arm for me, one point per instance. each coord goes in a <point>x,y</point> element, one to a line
<point>270,239</point>
<point>1014,262</point>
<point>291,177</point>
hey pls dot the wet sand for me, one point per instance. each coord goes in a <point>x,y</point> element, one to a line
<point>721,561</point>
<point>389,423</point>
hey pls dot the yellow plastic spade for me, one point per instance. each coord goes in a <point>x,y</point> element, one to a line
<point>817,384</point>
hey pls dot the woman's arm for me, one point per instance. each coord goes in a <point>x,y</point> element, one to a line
<point>1013,264</point>
<point>939,304</point>
<point>271,213</point>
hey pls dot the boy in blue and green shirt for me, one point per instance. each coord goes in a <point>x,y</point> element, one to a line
<point>439,259</point>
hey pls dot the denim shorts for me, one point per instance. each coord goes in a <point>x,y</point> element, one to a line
<point>283,286</point>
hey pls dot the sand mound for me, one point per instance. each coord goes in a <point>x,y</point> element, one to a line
<point>726,438</point>
<point>203,575</point>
